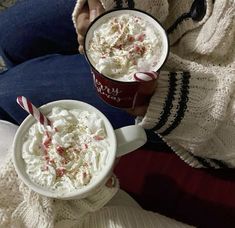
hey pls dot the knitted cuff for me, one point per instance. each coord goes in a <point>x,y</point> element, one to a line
<point>164,102</point>
<point>167,108</point>
<point>183,99</point>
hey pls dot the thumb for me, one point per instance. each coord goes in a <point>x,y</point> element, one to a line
<point>95,8</point>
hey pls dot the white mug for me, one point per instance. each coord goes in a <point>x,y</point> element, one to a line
<point>122,141</point>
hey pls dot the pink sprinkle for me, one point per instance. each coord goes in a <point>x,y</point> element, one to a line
<point>134,62</point>
<point>47,142</point>
<point>51,160</point>
<point>97,137</point>
<point>85,146</point>
<point>137,48</point>
<point>47,134</point>
<point>141,37</point>
<point>84,175</point>
<point>131,38</point>
<point>64,161</point>
<point>45,168</point>
<point>56,129</point>
<point>60,150</point>
<point>60,171</point>
<point>119,47</point>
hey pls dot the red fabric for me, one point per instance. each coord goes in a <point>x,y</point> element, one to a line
<point>162,182</point>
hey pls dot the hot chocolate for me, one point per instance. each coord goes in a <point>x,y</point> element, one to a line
<point>68,155</point>
<point>123,45</point>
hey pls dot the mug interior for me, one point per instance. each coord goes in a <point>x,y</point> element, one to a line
<point>135,12</point>
<point>19,163</point>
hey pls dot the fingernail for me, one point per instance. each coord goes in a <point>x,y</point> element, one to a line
<point>93,15</point>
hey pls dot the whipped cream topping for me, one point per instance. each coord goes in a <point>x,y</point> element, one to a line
<point>69,155</point>
<point>124,45</point>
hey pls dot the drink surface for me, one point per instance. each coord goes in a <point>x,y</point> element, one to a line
<point>69,155</point>
<point>124,45</point>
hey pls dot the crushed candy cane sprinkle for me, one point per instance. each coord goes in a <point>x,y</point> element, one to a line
<point>68,155</point>
<point>124,45</point>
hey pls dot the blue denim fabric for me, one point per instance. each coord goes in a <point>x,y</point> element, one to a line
<point>34,28</point>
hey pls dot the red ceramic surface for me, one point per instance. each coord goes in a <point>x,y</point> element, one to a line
<point>123,94</point>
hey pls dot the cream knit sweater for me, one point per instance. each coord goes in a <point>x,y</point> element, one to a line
<point>193,107</point>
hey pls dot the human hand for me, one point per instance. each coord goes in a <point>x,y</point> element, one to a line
<point>89,12</point>
<point>137,111</point>
<point>111,182</point>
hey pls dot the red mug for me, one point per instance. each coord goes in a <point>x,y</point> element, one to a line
<point>126,94</point>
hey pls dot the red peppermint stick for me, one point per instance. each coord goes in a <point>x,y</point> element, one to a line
<point>145,76</point>
<point>27,105</point>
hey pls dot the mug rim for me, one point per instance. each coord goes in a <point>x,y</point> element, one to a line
<point>124,9</point>
<point>78,193</point>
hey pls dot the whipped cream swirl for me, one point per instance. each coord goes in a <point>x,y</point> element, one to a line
<point>124,45</point>
<point>68,156</point>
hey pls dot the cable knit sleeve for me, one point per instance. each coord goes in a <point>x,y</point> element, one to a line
<point>193,113</point>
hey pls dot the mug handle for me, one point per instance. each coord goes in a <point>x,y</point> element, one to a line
<point>129,138</point>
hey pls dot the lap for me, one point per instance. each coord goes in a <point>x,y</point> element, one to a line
<point>34,28</point>
<point>54,77</point>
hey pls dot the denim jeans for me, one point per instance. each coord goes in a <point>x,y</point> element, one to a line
<point>39,46</point>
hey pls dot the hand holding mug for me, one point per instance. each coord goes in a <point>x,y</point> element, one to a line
<point>138,110</point>
<point>89,12</point>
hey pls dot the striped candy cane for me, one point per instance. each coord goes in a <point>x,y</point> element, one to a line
<point>27,105</point>
<point>145,76</point>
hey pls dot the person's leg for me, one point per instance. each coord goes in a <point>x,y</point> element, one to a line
<point>33,28</point>
<point>54,77</point>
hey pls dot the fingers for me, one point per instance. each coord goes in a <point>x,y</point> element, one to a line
<point>111,182</point>
<point>83,22</point>
<point>138,111</point>
<point>89,12</point>
<point>81,49</point>
<point>81,43</point>
<point>96,9</point>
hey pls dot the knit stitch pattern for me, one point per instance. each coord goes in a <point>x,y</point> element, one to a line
<point>22,207</point>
